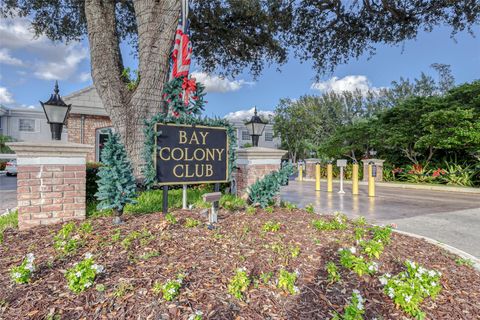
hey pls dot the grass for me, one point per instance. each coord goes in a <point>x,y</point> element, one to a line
<point>8,221</point>
<point>152,201</point>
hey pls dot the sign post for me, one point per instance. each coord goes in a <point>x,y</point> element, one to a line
<point>342,163</point>
<point>187,154</point>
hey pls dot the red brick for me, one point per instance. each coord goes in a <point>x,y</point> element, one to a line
<point>75,168</point>
<point>41,188</point>
<point>41,201</point>
<point>63,188</point>
<point>80,174</point>
<point>74,181</point>
<point>53,181</point>
<point>80,200</point>
<point>42,215</point>
<point>28,168</point>
<point>50,220</point>
<point>62,214</point>
<point>29,209</point>
<point>69,206</point>
<point>28,196</point>
<point>63,200</point>
<point>52,207</point>
<point>23,175</point>
<point>53,168</point>
<point>44,175</point>
<point>23,189</point>
<point>23,203</point>
<point>64,175</point>
<point>29,182</point>
<point>48,195</point>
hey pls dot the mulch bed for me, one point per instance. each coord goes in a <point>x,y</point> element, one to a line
<point>209,259</point>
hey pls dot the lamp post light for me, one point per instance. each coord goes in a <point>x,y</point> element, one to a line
<point>373,153</point>
<point>56,111</point>
<point>255,127</point>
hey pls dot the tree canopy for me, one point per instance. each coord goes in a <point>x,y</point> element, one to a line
<point>234,34</point>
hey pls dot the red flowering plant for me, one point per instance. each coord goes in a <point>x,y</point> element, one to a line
<point>183,96</point>
<point>438,172</point>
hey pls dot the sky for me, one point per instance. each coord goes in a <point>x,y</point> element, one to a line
<point>29,68</point>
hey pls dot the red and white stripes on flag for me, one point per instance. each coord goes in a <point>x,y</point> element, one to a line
<point>182,52</point>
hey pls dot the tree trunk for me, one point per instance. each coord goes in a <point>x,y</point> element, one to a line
<point>128,110</point>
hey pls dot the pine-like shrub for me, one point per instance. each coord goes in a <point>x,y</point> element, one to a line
<point>264,190</point>
<point>116,183</point>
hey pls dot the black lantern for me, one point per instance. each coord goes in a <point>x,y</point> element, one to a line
<point>373,153</point>
<point>56,112</point>
<point>255,128</point>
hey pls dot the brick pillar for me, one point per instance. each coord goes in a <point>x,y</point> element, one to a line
<point>310,168</point>
<point>253,164</point>
<point>378,163</point>
<point>50,182</point>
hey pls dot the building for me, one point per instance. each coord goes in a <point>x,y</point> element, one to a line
<point>88,123</point>
<point>26,124</point>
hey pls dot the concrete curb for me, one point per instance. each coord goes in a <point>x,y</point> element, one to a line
<point>432,187</point>
<point>453,250</point>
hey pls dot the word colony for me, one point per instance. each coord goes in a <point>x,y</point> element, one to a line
<point>191,154</point>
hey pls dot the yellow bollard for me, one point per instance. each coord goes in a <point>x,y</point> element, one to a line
<point>371,181</point>
<point>300,173</point>
<point>355,179</point>
<point>317,177</point>
<point>329,177</point>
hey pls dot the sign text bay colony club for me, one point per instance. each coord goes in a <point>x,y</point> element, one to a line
<point>187,154</point>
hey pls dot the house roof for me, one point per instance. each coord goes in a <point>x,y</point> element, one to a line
<point>86,101</point>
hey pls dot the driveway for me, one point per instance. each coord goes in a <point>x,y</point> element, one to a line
<point>449,217</point>
<point>8,192</point>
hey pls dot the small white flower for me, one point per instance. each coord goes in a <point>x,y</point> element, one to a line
<point>356,291</point>
<point>295,289</point>
<point>171,290</point>
<point>353,250</point>
<point>373,266</point>
<point>421,270</point>
<point>297,273</point>
<point>98,268</point>
<point>78,274</point>
<point>391,292</point>
<point>387,275</point>
<point>242,269</point>
<point>17,275</point>
<point>87,284</point>
<point>30,257</point>
<point>179,280</point>
<point>408,298</point>
<point>88,255</point>
<point>433,284</point>
<point>383,280</point>
<point>30,267</point>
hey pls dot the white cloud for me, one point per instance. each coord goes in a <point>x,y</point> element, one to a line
<point>84,76</point>
<point>49,60</point>
<point>5,96</point>
<point>215,83</point>
<point>347,83</point>
<point>6,58</point>
<point>245,115</point>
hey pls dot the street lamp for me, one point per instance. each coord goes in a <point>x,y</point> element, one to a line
<point>372,152</point>
<point>56,112</point>
<point>255,128</point>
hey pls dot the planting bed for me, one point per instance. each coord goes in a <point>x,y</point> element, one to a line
<point>209,259</point>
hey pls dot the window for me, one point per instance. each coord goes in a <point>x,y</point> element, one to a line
<point>245,135</point>
<point>102,136</point>
<point>268,136</point>
<point>26,125</point>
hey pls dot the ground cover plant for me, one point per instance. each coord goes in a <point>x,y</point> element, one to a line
<point>235,271</point>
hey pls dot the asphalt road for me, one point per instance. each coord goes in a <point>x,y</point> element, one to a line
<point>8,192</point>
<point>449,217</point>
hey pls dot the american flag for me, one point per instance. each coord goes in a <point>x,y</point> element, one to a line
<point>182,52</point>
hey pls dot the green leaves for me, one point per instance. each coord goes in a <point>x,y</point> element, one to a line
<point>264,190</point>
<point>239,283</point>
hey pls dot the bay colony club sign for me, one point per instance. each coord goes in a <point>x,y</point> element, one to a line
<point>187,154</point>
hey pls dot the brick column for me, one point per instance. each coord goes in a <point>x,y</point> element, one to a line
<point>310,168</point>
<point>253,164</point>
<point>378,163</point>
<point>50,182</point>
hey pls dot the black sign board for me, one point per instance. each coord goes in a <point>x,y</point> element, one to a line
<point>188,154</point>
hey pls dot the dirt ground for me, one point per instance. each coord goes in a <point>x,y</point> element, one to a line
<point>209,259</point>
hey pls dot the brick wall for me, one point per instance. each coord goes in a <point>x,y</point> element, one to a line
<point>90,124</point>
<point>49,194</point>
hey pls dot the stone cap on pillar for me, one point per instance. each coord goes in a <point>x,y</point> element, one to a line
<point>312,160</point>
<point>259,155</point>
<point>377,162</point>
<point>48,150</point>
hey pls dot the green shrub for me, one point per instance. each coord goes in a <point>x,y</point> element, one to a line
<point>191,223</point>
<point>231,202</point>
<point>332,271</point>
<point>286,281</point>
<point>82,275</point>
<point>321,224</point>
<point>357,264</point>
<point>354,310</point>
<point>66,241</point>
<point>8,221</point>
<point>271,226</point>
<point>382,234</point>
<point>409,288</point>
<point>239,283</point>
<point>264,190</point>
<point>372,248</point>
<point>251,210</point>
<point>23,273</point>
<point>170,289</point>
<point>310,208</point>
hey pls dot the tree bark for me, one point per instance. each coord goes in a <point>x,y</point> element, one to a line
<point>128,110</point>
